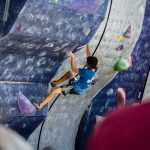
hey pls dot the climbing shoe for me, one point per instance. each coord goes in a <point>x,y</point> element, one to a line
<point>37,106</point>
<point>53,84</point>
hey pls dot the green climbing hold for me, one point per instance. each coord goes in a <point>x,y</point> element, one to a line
<point>121,65</point>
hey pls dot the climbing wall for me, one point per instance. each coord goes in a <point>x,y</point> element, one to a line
<point>61,126</point>
<point>33,51</point>
<point>15,7</point>
<point>133,81</point>
<point>146,92</point>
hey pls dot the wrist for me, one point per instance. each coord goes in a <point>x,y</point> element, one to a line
<point>72,56</point>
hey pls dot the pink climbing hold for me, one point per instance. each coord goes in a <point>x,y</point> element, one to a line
<point>25,106</point>
<point>130,61</point>
<point>127,33</point>
<point>99,120</point>
<point>121,98</point>
<point>20,27</point>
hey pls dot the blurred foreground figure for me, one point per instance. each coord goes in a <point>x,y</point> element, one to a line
<point>127,129</point>
<point>10,140</point>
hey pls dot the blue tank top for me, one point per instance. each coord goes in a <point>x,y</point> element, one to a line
<point>86,77</point>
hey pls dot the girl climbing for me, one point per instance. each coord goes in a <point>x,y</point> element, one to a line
<point>74,86</point>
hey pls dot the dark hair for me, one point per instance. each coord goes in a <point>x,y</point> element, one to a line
<point>92,61</point>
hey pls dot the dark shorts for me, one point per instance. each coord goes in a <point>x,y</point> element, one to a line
<point>71,91</point>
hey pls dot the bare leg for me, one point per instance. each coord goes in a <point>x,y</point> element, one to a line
<point>65,77</point>
<point>54,92</point>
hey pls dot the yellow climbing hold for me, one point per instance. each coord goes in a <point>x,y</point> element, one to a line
<point>120,38</point>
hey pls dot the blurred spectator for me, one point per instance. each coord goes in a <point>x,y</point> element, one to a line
<point>121,102</point>
<point>10,140</point>
<point>127,129</point>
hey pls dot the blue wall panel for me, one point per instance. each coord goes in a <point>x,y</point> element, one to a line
<point>10,114</point>
<point>27,69</point>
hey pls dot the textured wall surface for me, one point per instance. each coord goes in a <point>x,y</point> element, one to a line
<point>34,52</point>
<point>147,90</point>
<point>61,126</point>
<point>133,81</point>
<point>38,25</point>
<point>14,9</point>
<point>36,47</point>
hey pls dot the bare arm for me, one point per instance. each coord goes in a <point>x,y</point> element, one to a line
<point>88,50</point>
<point>72,61</point>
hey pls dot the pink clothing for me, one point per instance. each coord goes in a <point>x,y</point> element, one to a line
<point>127,129</point>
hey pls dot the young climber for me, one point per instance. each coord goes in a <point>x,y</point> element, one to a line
<point>74,86</point>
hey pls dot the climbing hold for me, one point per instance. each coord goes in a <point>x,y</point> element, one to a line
<point>121,65</point>
<point>120,38</point>
<point>121,97</point>
<point>50,45</point>
<point>25,106</point>
<point>130,61</point>
<point>20,27</point>
<point>127,33</point>
<point>86,30</point>
<point>99,119</point>
<point>119,48</point>
<point>110,91</point>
